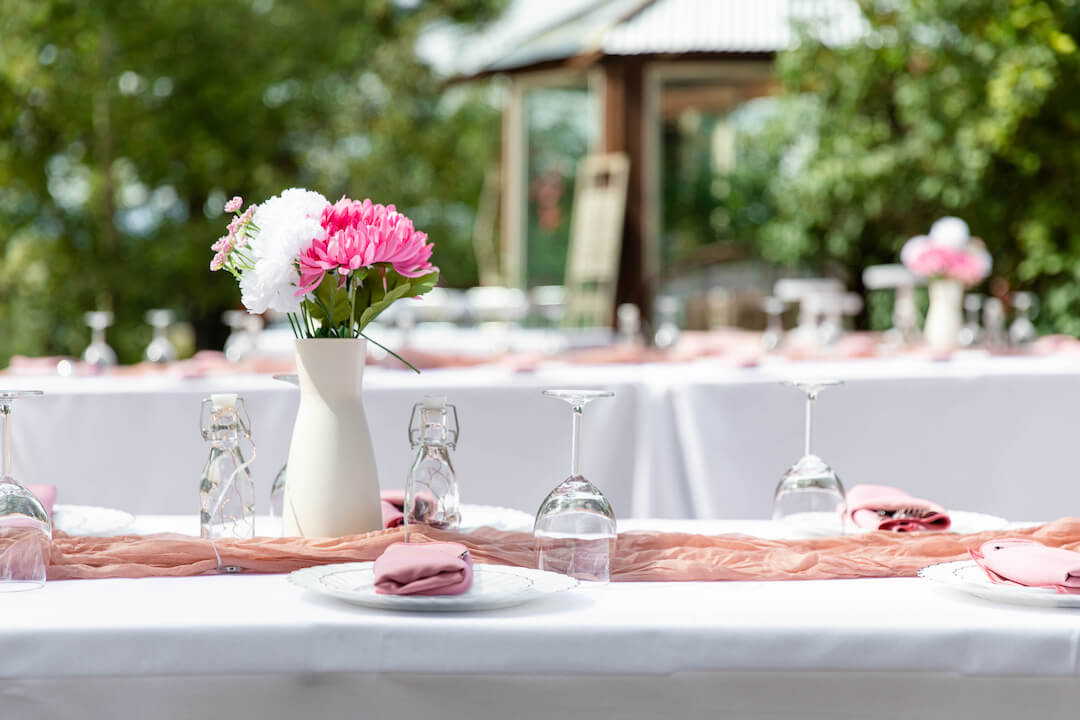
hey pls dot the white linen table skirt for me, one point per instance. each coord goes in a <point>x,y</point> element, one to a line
<point>701,440</point>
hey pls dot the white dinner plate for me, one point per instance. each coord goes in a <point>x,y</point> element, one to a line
<point>493,516</point>
<point>90,520</point>
<point>828,524</point>
<point>493,587</point>
<point>967,577</point>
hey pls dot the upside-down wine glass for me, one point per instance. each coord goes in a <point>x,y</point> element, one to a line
<point>810,492</point>
<point>25,527</point>
<point>160,350</point>
<point>574,530</point>
<point>98,353</point>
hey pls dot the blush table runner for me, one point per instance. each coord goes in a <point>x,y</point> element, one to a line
<point>640,556</point>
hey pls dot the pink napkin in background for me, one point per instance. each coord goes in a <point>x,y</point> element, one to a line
<point>432,568</point>
<point>46,494</point>
<point>1018,561</point>
<point>393,508</point>
<point>864,502</point>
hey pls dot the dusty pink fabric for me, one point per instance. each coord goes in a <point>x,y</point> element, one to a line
<point>434,568</point>
<point>393,508</point>
<point>1021,561</point>
<point>865,501</point>
<point>639,556</point>
<point>46,495</point>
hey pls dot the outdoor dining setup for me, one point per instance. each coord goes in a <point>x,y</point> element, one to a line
<point>336,524</point>
<point>505,359</point>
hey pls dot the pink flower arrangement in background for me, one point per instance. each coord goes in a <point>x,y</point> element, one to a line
<point>331,268</point>
<point>948,251</point>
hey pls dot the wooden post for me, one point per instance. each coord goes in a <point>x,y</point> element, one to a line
<point>624,97</point>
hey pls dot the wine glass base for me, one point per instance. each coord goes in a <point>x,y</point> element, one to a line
<point>14,586</point>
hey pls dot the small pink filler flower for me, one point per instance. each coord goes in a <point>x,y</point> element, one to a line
<point>234,204</point>
<point>361,234</point>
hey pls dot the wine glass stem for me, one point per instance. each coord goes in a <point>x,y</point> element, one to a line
<point>575,444</point>
<point>809,423</point>
<point>5,430</point>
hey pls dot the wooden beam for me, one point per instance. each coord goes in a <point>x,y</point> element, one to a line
<point>624,96</point>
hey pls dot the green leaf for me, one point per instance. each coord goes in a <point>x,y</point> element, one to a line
<point>320,307</point>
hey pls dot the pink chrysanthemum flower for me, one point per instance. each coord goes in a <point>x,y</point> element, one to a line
<point>361,234</point>
<point>234,204</point>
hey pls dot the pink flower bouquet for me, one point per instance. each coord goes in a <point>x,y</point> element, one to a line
<point>331,268</point>
<point>948,251</point>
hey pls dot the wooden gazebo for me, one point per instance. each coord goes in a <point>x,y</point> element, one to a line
<point>642,59</point>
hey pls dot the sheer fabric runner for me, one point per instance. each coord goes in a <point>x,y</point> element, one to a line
<point>640,556</point>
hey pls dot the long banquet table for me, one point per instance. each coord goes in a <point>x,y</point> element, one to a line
<point>701,439</point>
<point>257,646</point>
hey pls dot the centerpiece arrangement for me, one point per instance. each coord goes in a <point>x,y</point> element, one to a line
<point>951,259</point>
<point>332,268</point>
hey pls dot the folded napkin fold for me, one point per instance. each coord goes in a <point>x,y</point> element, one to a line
<point>1019,561</point>
<point>882,507</point>
<point>46,495</point>
<point>432,568</point>
<point>393,508</point>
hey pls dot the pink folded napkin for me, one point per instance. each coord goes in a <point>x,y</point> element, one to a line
<point>433,568</point>
<point>46,494</point>
<point>882,507</point>
<point>1018,561</point>
<point>393,508</point>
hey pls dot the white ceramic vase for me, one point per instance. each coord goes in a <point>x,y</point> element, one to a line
<point>945,317</point>
<point>333,486</point>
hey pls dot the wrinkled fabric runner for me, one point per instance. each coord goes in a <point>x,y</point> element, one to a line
<point>640,556</point>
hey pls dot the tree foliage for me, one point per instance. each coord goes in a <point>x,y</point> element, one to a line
<point>124,126</point>
<point>942,107</point>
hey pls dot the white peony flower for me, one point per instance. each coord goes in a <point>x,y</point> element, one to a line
<point>287,224</point>
<point>950,232</point>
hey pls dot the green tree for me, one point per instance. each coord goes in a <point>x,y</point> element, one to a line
<point>942,107</point>
<point>124,125</point>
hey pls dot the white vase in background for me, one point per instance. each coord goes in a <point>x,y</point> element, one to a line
<point>333,486</point>
<point>945,317</point>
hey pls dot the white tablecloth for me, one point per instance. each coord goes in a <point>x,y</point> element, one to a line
<point>860,648</point>
<point>696,440</point>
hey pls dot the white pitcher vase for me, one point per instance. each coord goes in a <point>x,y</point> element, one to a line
<point>945,317</point>
<point>333,485</point>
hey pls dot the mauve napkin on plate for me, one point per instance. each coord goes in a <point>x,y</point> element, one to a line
<point>434,568</point>
<point>393,508</point>
<point>877,506</point>
<point>46,495</point>
<point>1018,561</point>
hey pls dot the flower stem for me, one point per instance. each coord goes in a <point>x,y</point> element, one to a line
<point>411,366</point>
<point>352,309</point>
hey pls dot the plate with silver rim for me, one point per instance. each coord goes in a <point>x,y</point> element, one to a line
<point>967,577</point>
<point>493,587</point>
<point>825,524</point>
<point>88,520</point>
<point>493,516</point>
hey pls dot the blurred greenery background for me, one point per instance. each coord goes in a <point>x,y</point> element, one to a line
<point>126,124</point>
<point>947,107</point>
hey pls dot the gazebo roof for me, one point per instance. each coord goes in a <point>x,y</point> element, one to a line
<point>675,27</point>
